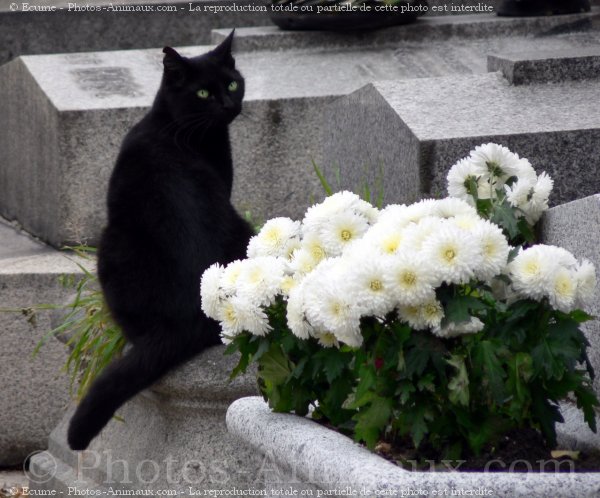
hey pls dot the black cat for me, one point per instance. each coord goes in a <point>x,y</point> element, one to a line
<point>169,218</point>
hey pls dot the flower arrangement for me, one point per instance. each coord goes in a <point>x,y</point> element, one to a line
<point>438,321</point>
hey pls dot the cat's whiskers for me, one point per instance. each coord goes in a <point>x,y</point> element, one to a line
<point>188,129</point>
<point>181,121</point>
<point>194,128</point>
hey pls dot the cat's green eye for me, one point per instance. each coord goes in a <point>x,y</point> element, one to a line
<point>202,93</point>
<point>233,86</point>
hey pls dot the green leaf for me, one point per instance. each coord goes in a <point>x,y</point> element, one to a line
<point>526,230</point>
<point>484,207</point>
<point>334,364</point>
<point>486,431</point>
<point>471,186</point>
<point>544,361</point>
<point>274,366</point>
<point>299,369</point>
<point>371,422</point>
<point>458,386</point>
<point>546,414</point>
<point>587,400</point>
<point>504,216</point>
<point>459,308</point>
<point>324,183</point>
<point>485,355</point>
<point>580,316</point>
<point>366,383</point>
<point>416,360</point>
<point>418,425</point>
<point>332,405</point>
<point>520,309</point>
<point>404,389</point>
<point>426,383</point>
<point>524,366</point>
<point>263,347</point>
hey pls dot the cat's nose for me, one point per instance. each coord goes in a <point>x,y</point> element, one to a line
<point>228,103</point>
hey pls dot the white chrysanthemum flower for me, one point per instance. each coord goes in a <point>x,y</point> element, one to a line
<point>562,293</point>
<point>211,291</point>
<point>432,313</point>
<point>319,215</point>
<point>523,169</point>
<point>532,270</point>
<point>497,160</point>
<point>291,247</point>
<point>394,215</point>
<point>418,211</point>
<point>537,202</point>
<point>459,176</point>
<point>296,317</point>
<point>586,283</point>
<point>424,316</point>
<point>560,255</point>
<point>494,250</point>
<point>416,234</point>
<point>327,339</point>
<point>384,237</point>
<point>239,314</point>
<point>330,310</point>
<point>413,280</point>
<point>343,229</point>
<point>368,281</point>
<point>519,192</point>
<point>454,253</point>
<point>451,207</point>
<point>288,282</point>
<point>473,326</point>
<point>274,238</point>
<point>312,243</point>
<point>466,222</point>
<point>260,278</point>
<point>412,316</point>
<point>303,262</point>
<point>230,276</point>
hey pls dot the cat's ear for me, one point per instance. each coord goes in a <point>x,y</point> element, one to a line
<point>222,52</point>
<point>174,65</point>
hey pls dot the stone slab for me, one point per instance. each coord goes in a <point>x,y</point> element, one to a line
<point>172,436</point>
<point>306,455</point>
<point>35,394</point>
<point>419,128</point>
<point>546,66</point>
<point>576,227</point>
<point>31,32</point>
<point>68,113</point>
<point>426,30</point>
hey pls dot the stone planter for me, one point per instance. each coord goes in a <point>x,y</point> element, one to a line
<point>307,459</point>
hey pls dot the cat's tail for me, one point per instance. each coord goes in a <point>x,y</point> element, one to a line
<point>138,369</point>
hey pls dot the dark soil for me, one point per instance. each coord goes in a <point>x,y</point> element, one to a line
<point>519,451</point>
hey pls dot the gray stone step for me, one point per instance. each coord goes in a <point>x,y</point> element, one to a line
<point>172,436</point>
<point>30,32</point>
<point>35,393</point>
<point>68,113</point>
<point>427,30</point>
<point>544,66</point>
<point>419,128</point>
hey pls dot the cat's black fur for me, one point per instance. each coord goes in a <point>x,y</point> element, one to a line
<point>169,218</point>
